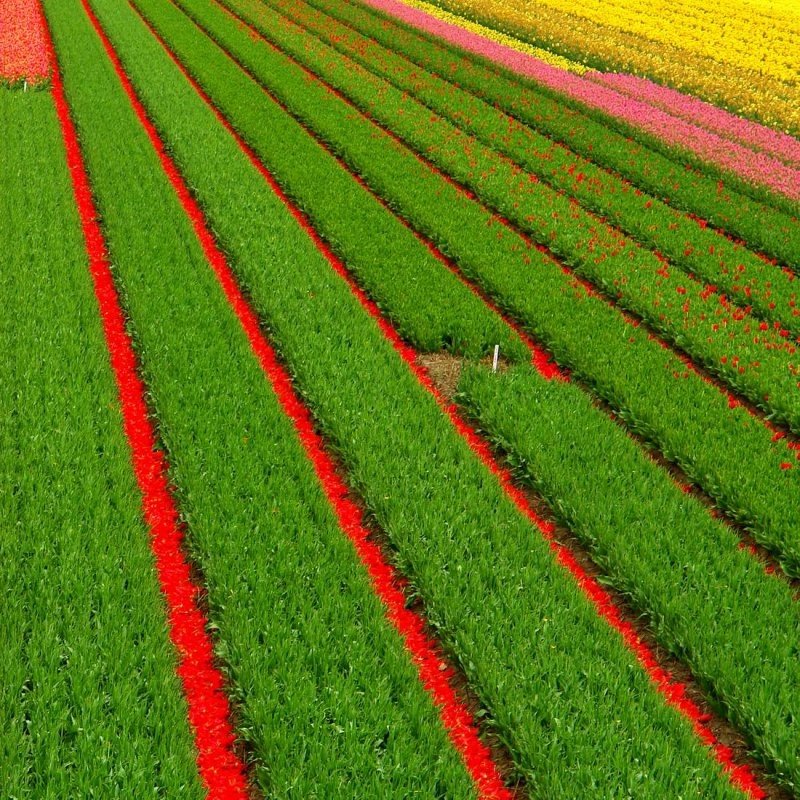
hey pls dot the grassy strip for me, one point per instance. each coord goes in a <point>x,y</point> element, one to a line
<point>410,477</point>
<point>328,699</point>
<point>651,389</point>
<point>90,696</point>
<point>688,244</point>
<point>765,218</point>
<point>749,355</point>
<point>707,600</point>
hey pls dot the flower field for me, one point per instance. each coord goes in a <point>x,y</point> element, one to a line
<point>740,54</point>
<point>400,402</point>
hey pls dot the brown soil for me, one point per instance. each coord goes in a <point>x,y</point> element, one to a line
<point>444,370</point>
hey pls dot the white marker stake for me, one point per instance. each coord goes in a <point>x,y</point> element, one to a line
<point>496,356</point>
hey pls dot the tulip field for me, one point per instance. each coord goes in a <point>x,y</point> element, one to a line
<point>401,399</point>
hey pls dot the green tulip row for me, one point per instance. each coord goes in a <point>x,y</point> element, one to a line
<point>576,711</point>
<point>326,697</point>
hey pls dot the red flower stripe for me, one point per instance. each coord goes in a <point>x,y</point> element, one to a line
<point>673,690</point>
<point>24,52</point>
<point>221,770</point>
<point>436,675</point>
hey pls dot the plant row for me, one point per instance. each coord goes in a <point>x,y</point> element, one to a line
<point>326,696</point>
<point>730,677</point>
<point>695,28</point>
<point>482,572</point>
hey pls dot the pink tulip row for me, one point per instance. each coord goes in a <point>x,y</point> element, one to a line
<point>727,150</point>
<point>706,115</point>
<point>23,48</point>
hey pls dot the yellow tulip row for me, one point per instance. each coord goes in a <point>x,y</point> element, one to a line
<point>509,41</point>
<point>742,37</point>
<point>746,58</point>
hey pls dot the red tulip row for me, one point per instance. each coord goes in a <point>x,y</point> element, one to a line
<point>91,697</point>
<point>24,55</point>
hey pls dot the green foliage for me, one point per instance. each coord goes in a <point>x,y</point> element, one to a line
<point>568,310</point>
<point>90,704</point>
<point>708,601</point>
<point>579,716</point>
<point>318,673</point>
